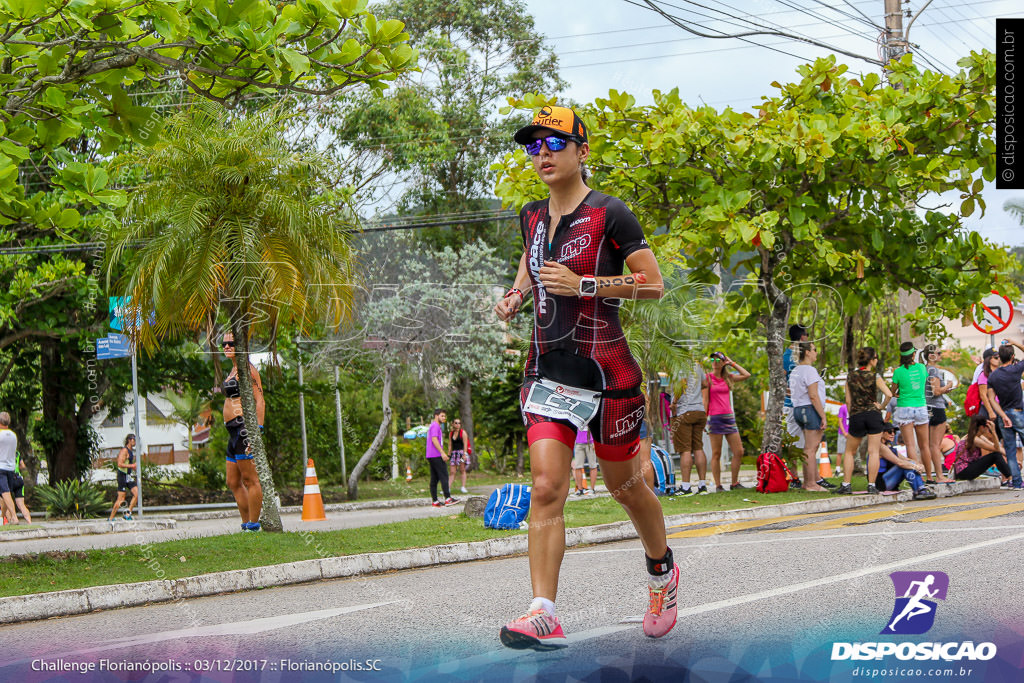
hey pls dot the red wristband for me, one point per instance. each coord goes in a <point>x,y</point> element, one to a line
<point>514,291</point>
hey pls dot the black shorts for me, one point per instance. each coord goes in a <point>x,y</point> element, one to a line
<point>936,416</point>
<point>865,423</point>
<point>125,481</point>
<point>238,440</point>
<point>18,486</point>
<point>7,481</point>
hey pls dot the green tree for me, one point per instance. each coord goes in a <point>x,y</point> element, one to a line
<point>80,81</point>
<point>229,218</point>
<point>814,187</point>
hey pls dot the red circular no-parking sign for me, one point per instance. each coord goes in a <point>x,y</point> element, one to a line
<point>993,314</point>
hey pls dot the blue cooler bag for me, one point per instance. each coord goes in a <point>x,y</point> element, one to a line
<point>507,507</point>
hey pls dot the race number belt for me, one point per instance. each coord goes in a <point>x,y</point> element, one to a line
<point>562,402</point>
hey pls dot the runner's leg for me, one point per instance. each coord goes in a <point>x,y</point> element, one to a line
<point>549,467</point>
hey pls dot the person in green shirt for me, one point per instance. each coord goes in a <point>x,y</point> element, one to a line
<point>911,414</point>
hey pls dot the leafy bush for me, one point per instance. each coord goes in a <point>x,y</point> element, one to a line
<point>206,466</point>
<point>72,498</point>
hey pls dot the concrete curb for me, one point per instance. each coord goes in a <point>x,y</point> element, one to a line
<point>332,507</point>
<point>85,528</point>
<point>82,600</point>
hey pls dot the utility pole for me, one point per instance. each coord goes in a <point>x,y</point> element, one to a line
<point>895,45</point>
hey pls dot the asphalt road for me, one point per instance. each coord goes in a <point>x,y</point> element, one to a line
<point>762,601</point>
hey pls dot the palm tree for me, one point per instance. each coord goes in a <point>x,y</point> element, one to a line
<point>227,218</point>
<point>188,406</point>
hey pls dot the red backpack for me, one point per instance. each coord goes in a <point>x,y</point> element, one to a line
<point>972,402</point>
<point>772,474</point>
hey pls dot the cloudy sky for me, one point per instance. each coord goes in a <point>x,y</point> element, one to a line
<point>621,44</point>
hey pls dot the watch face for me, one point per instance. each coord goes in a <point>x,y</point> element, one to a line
<point>588,286</point>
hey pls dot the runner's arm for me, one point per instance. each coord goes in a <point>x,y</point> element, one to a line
<point>122,459</point>
<point>643,282</point>
<point>510,305</point>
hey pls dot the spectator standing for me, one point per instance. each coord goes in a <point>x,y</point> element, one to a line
<point>862,388</point>
<point>584,456</point>
<point>8,464</point>
<point>807,389</point>
<point>19,491</point>
<point>936,388</point>
<point>971,459</point>
<point>989,362</point>
<point>1007,400</point>
<point>843,429</point>
<point>689,418</point>
<point>909,383</point>
<point>459,447</point>
<point>438,459</point>
<point>797,334</point>
<point>893,468</point>
<point>721,419</point>
<point>240,471</point>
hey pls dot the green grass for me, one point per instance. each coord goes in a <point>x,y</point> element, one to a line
<point>43,572</point>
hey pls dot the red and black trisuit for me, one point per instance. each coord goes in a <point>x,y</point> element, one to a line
<point>579,341</point>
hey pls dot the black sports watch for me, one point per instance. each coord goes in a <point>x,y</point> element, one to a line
<point>588,287</point>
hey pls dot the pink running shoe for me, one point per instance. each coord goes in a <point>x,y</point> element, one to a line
<point>537,630</point>
<point>661,613</point>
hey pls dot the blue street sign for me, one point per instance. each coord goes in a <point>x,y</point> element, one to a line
<point>113,346</point>
<point>118,304</point>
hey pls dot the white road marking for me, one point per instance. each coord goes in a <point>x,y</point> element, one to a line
<point>498,656</point>
<point>819,537</point>
<point>235,628</point>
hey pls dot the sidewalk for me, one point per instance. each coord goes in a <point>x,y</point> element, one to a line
<point>79,601</point>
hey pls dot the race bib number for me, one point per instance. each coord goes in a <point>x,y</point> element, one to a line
<point>562,402</point>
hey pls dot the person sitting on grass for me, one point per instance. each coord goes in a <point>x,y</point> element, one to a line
<point>979,450</point>
<point>894,468</point>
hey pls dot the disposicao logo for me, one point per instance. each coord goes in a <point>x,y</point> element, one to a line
<point>916,592</point>
<point>914,614</point>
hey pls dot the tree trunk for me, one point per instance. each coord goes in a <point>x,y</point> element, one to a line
<point>466,413</point>
<point>60,443</point>
<point>270,519</point>
<point>849,352</point>
<point>780,303</point>
<point>382,432</point>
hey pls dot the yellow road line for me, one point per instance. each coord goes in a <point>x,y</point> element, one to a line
<point>736,526</point>
<point>865,517</point>
<point>976,514</point>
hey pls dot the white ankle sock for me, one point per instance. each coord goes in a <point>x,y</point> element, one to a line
<point>685,487</point>
<point>658,581</point>
<point>544,604</point>
<point>701,483</point>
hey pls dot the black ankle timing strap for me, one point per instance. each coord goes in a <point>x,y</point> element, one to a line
<point>662,566</point>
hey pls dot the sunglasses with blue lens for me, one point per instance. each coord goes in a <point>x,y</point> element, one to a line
<point>555,143</point>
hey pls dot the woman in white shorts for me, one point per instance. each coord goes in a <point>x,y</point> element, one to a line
<point>911,415</point>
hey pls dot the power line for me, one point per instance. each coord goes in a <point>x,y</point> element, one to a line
<point>407,223</point>
<point>680,22</point>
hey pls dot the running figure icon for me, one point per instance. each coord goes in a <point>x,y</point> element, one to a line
<point>915,607</point>
<point>916,593</point>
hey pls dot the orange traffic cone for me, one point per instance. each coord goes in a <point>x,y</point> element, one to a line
<point>312,502</point>
<point>408,473</point>
<point>824,463</point>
